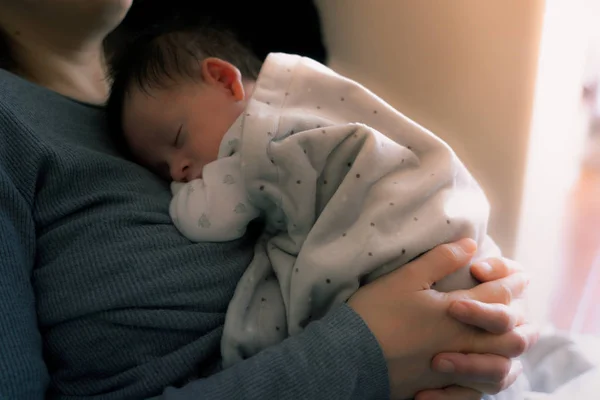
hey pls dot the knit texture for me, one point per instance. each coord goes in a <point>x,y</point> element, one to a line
<point>101,297</point>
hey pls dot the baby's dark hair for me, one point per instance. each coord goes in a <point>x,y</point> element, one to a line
<point>162,54</point>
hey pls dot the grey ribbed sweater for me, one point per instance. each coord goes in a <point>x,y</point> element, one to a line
<point>101,297</point>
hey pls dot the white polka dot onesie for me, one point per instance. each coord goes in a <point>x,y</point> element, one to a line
<point>348,188</point>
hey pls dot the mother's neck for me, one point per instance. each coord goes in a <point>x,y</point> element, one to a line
<point>79,73</point>
<point>58,51</point>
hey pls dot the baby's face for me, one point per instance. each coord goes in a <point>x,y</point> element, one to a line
<point>176,131</point>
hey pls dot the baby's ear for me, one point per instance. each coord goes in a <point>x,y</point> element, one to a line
<point>216,71</point>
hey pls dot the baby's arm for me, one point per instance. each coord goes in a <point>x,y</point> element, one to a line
<point>360,205</point>
<point>214,208</point>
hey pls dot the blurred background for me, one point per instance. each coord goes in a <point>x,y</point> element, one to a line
<point>511,85</point>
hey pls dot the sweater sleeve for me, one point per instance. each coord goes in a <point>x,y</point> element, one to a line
<point>23,374</point>
<point>336,357</point>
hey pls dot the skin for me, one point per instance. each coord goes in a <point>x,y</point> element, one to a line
<point>411,310</point>
<point>177,129</point>
<point>58,44</point>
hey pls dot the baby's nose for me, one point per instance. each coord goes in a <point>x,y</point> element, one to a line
<point>180,171</point>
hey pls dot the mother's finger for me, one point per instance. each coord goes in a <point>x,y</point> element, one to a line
<point>495,268</point>
<point>493,318</point>
<point>450,393</point>
<point>496,387</point>
<point>434,265</point>
<point>511,344</point>
<point>482,368</point>
<point>486,373</point>
<point>500,291</point>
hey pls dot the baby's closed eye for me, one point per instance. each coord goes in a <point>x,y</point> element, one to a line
<point>179,137</point>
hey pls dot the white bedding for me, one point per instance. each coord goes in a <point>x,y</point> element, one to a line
<point>564,367</point>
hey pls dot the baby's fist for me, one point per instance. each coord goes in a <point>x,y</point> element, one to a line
<point>176,187</point>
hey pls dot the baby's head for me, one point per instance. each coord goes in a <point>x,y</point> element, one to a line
<point>175,94</point>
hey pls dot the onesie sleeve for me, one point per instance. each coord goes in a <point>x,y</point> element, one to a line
<point>215,208</point>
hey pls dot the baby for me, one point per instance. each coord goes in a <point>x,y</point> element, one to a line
<point>347,188</point>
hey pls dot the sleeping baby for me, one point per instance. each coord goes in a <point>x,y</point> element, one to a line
<point>346,187</point>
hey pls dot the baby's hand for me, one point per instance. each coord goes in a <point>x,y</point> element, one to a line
<point>176,187</point>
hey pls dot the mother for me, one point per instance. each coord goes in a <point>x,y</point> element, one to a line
<point>101,297</point>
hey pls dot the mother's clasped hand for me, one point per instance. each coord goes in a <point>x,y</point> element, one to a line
<point>462,341</point>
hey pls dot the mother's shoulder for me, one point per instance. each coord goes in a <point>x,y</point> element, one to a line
<point>8,78</point>
<point>12,87</point>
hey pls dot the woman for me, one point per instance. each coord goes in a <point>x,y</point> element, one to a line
<point>100,296</point>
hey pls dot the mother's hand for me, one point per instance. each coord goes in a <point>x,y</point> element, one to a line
<point>488,373</point>
<point>413,323</point>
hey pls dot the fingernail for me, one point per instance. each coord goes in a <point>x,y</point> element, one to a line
<point>467,245</point>
<point>445,366</point>
<point>485,267</point>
